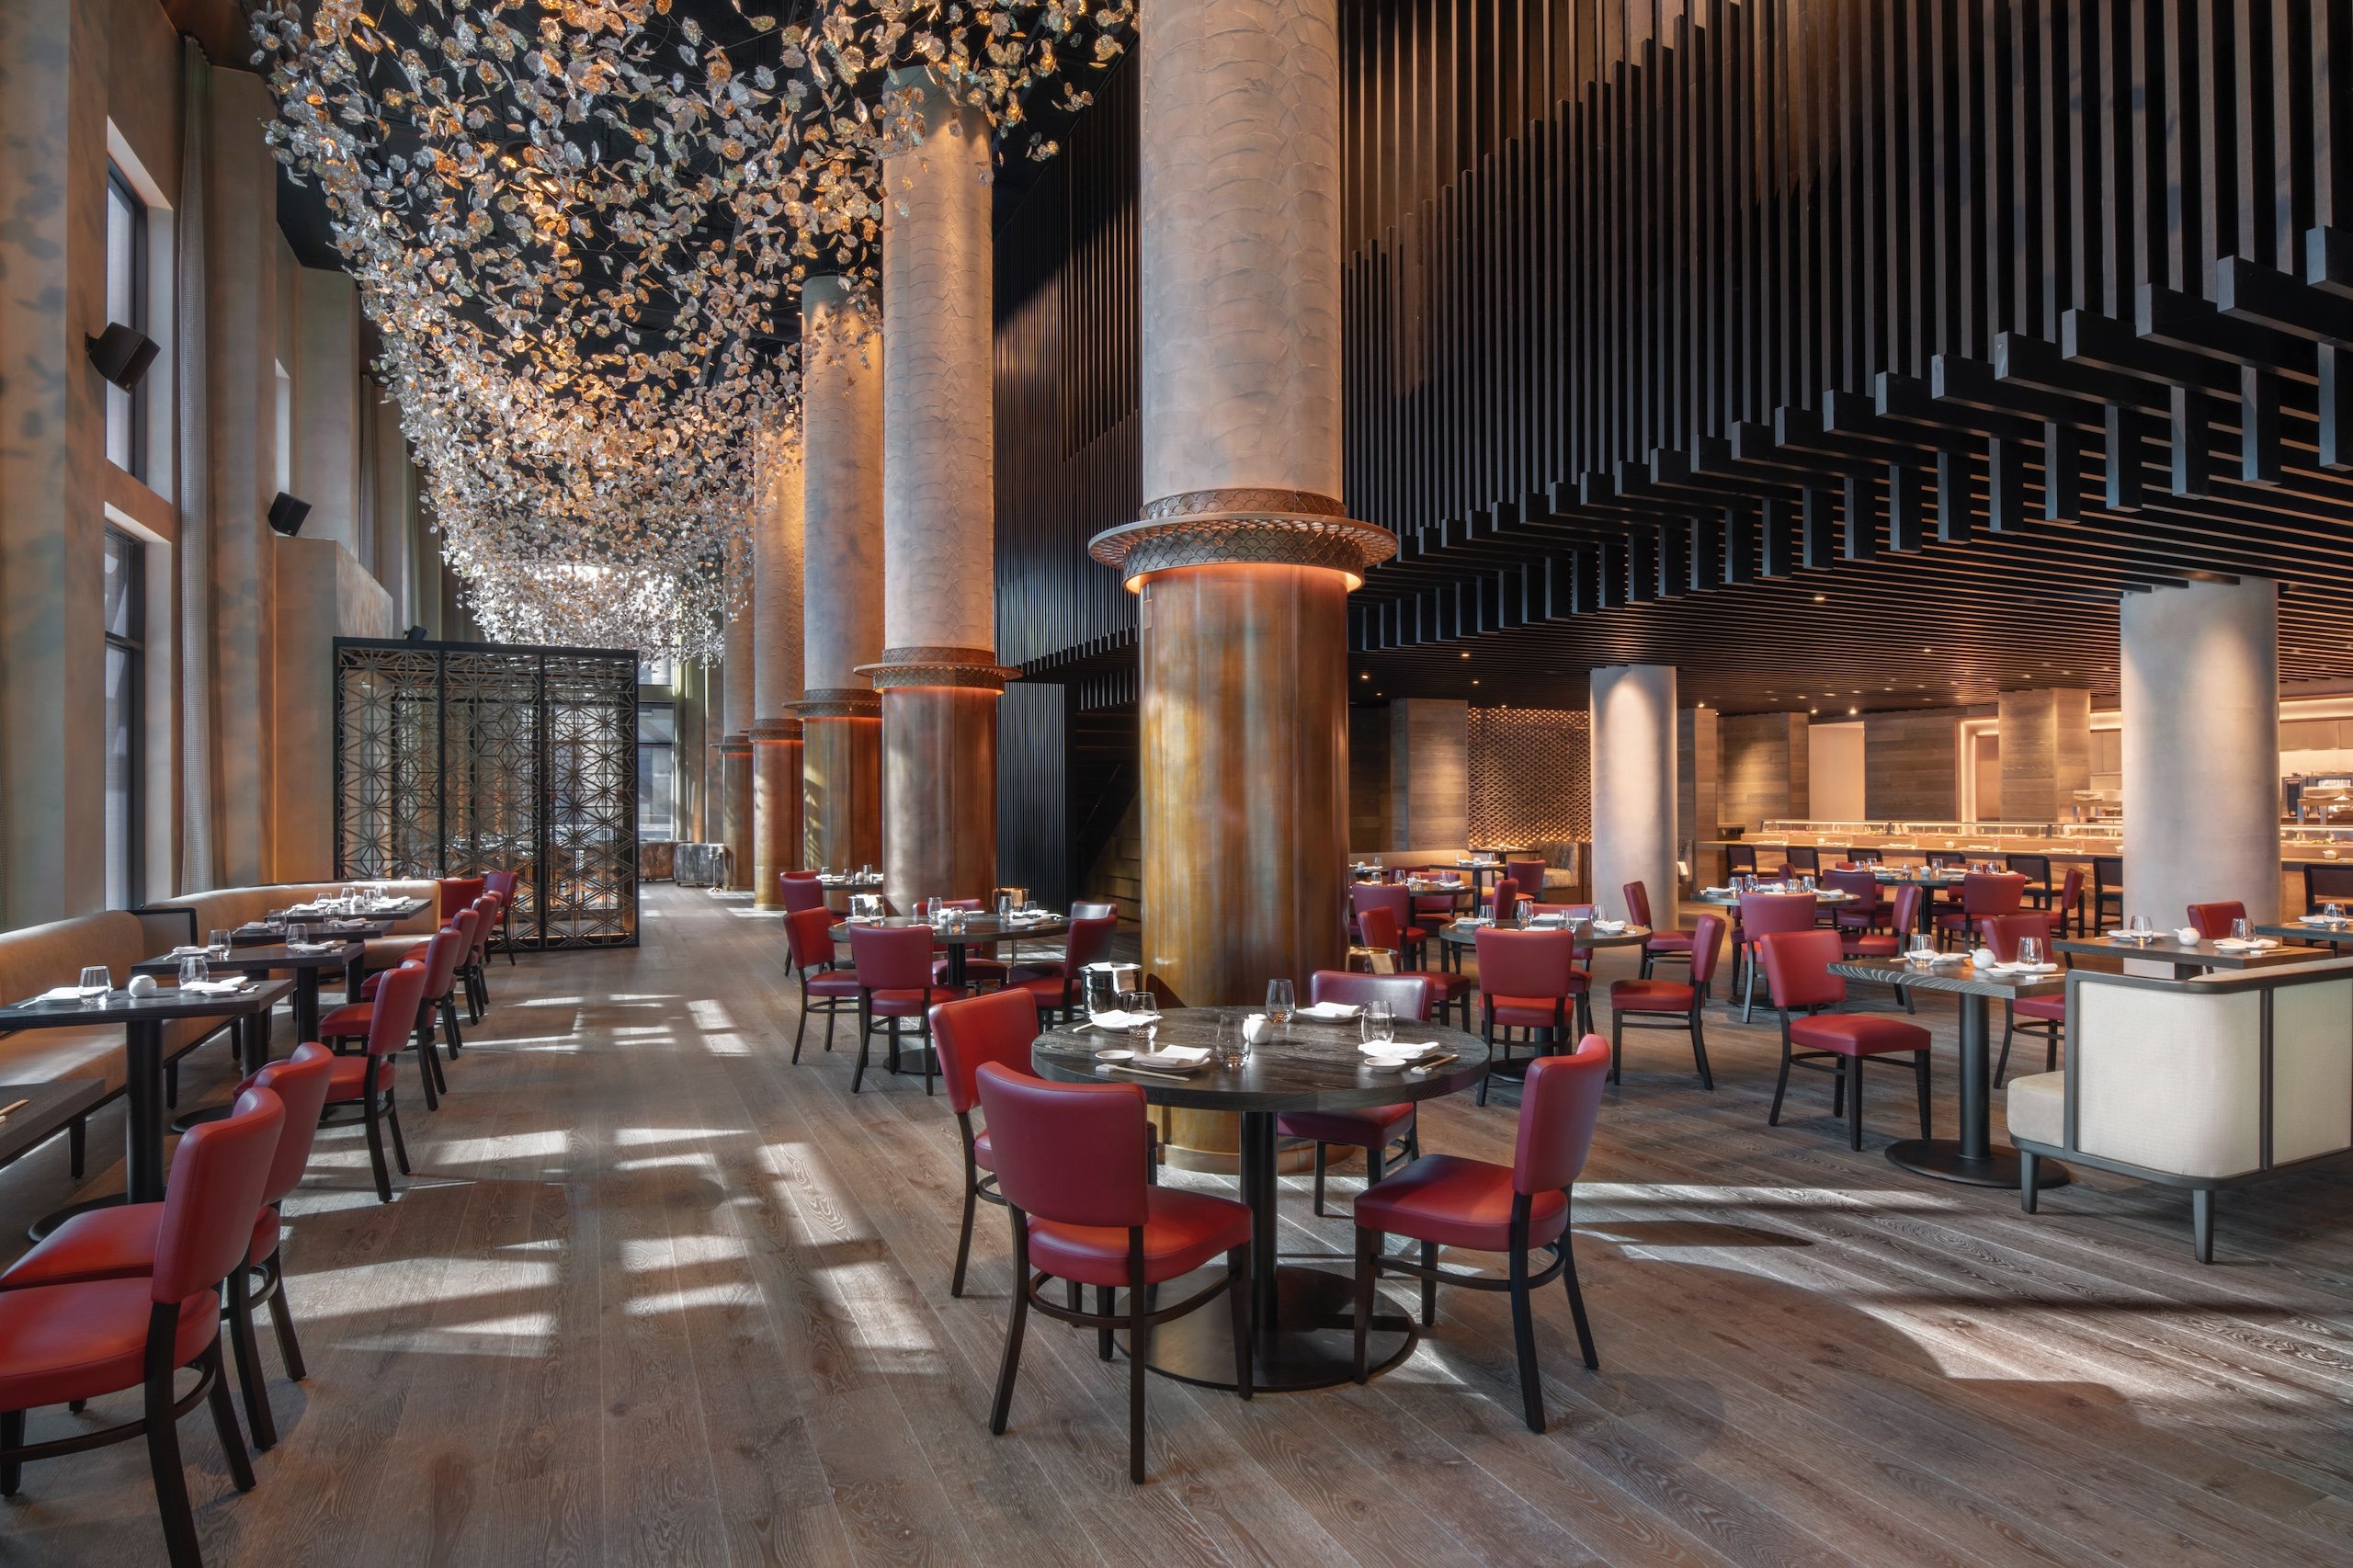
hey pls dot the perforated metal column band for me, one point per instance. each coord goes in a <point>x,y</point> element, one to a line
<point>974,667</point>
<point>1252,526</point>
<point>838,702</point>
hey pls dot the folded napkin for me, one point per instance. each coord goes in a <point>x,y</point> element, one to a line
<point>1116,1019</point>
<point>2016,968</point>
<point>311,946</point>
<point>72,992</point>
<point>1610,927</point>
<point>1032,917</point>
<point>2252,945</point>
<point>189,949</point>
<point>1175,1056</point>
<point>1404,1048</point>
<point>1330,1012</point>
<point>216,987</point>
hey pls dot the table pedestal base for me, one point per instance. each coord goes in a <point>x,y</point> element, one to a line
<point>1998,1167</point>
<point>1313,1344</point>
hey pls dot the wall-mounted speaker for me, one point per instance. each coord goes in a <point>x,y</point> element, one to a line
<point>286,514</point>
<point>121,354</point>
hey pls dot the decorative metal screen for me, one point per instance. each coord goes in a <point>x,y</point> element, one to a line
<point>1531,779</point>
<point>457,759</point>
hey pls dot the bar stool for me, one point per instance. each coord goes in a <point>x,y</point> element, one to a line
<point>1648,1004</point>
<point>1529,979</point>
<point>1797,971</point>
<point>1370,1128</point>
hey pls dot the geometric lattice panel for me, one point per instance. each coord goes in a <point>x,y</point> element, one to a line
<point>457,759</point>
<point>1532,776</point>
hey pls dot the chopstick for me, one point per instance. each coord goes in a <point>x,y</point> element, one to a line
<point>17,1106</point>
<point>1436,1061</point>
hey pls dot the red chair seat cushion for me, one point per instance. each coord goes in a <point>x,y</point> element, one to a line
<point>1372,1127</point>
<point>1651,996</point>
<point>1047,990</point>
<point>1186,1230</point>
<point>102,1243</point>
<point>834,982</point>
<point>1849,1034</point>
<point>1035,968</point>
<point>67,1342</point>
<point>1875,945</point>
<point>909,1004</point>
<point>349,1021</point>
<point>1669,942</point>
<point>1537,1012</point>
<point>347,1082</point>
<point>1444,987</point>
<point>974,968</point>
<point>1457,1202</point>
<point>2053,1008</point>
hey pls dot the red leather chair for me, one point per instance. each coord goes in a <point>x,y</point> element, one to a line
<point>1086,909</point>
<point>366,1080</point>
<point>1503,902</point>
<point>1372,1128</point>
<point>1982,894</point>
<point>505,885</point>
<point>824,988</point>
<point>2043,1015</point>
<point>1444,1200</point>
<point>356,1020</point>
<point>1797,971</point>
<point>1668,1003</point>
<point>1529,875</point>
<point>1054,984</point>
<point>798,891</point>
<point>1869,909</point>
<point>895,983</point>
<point>2213,920</point>
<point>1070,1165</point>
<point>1902,920</point>
<point>1446,988</point>
<point>1763,914</point>
<point>1432,910</point>
<point>1001,1027</point>
<point>1663,947</point>
<point>119,1242</point>
<point>460,893</point>
<point>1412,940</point>
<point>1529,979</point>
<point>63,1344</point>
<point>2067,911</point>
<point>474,971</point>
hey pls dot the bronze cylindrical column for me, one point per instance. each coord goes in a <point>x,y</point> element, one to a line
<point>939,676</point>
<point>841,718</point>
<point>737,687</point>
<point>777,660</point>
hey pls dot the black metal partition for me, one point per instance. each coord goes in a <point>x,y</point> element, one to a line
<point>457,759</point>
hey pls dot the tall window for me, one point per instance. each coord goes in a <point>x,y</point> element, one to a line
<point>657,770</point>
<point>126,613</point>
<point>126,303</point>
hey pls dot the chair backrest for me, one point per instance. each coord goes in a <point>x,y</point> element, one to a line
<point>400,997</point>
<point>1408,996</point>
<point>301,1084</point>
<point>485,914</point>
<point>1740,857</point>
<point>1525,963</point>
<point>2034,868</point>
<point>974,904</point>
<point>503,883</point>
<point>2070,888</point>
<point>1864,856</point>
<point>1559,1104</point>
<point>998,1026</point>
<point>1567,910</point>
<point>456,892</point>
<point>1086,909</point>
<point>2108,875</point>
<point>442,953</point>
<point>1090,941</point>
<point>891,958</point>
<point>1764,913</point>
<point>2328,884</point>
<point>2213,920</point>
<point>1990,892</point>
<point>1937,860</point>
<point>1905,912</point>
<point>1797,968</point>
<point>1528,874</point>
<point>809,936</point>
<point>1638,902</point>
<point>2001,932</point>
<point>1862,884</point>
<point>1383,895</point>
<point>218,1174</point>
<point>798,893</point>
<point>1504,901</point>
<point>1707,937</point>
<point>1802,858</point>
<point>1378,928</point>
<point>1073,1152</point>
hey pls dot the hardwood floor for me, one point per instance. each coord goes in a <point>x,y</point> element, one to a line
<point>656,1296</point>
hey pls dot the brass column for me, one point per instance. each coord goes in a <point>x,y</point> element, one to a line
<point>776,662</point>
<point>737,687</point>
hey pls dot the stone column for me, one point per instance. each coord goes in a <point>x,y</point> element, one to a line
<point>1243,556</point>
<point>938,675</point>
<point>738,687</point>
<point>1633,786</point>
<point>776,650</point>
<point>2046,737</point>
<point>2200,678</point>
<point>841,718</point>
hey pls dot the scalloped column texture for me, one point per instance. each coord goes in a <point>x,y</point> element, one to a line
<point>1240,267</point>
<point>776,661</point>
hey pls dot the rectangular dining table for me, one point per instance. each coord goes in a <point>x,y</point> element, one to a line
<point>48,1108</point>
<point>304,963</point>
<point>2189,958</point>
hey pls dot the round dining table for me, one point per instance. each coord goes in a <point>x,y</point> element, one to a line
<point>1302,1316</point>
<point>976,931</point>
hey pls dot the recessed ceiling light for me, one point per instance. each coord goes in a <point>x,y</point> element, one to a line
<point>1474,683</point>
<point>1365,676</point>
<point>1853,710</point>
<point>1818,599</point>
<point>1466,652</point>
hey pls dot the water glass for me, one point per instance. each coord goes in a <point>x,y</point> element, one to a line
<point>2332,911</point>
<point>297,934</point>
<point>217,943</point>
<point>1281,1000</point>
<point>1231,1045</point>
<point>1522,912</point>
<point>2137,927</point>
<point>1003,905</point>
<point>193,969</point>
<point>1378,1023</point>
<point>866,868</point>
<point>2031,949</point>
<point>2241,930</point>
<point>95,977</point>
<point>1923,948</point>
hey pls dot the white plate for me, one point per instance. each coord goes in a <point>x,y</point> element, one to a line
<point>1403,1052</point>
<point>1115,1056</point>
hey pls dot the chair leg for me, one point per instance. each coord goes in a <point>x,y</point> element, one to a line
<point>427,1067</point>
<point>929,1061</point>
<point>259,1418</point>
<point>1838,1090</point>
<point>865,1046</point>
<point>12,1436</point>
<point>2201,1223</point>
<point>1139,1353</point>
<point>1368,1267</point>
<point>1577,1304</point>
<point>1319,1157</point>
<point>1855,1105</point>
<point>1012,1362</point>
<point>77,1147</point>
<point>224,1421</point>
<point>2009,1028</point>
<point>964,1235</point>
<point>392,1121</point>
<point>376,1151</point>
<point>1106,1302</point>
<point>1920,1072</point>
<point>281,1318</point>
<point>802,1032</point>
<point>171,1085</point>
<point>456,1042</point>
<point>1699,1050</point>
<point>1748,990</point>
<point>2029,1188</point>
<point>1429,1285</point>
<point>1617,1043</point>
<point>1523,1337</point>
<point>1780,1087</point>
<point>831,1009</point>
<point>1237,1274</point>
<point>171,1480</point>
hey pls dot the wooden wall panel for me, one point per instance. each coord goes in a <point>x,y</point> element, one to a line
<point>2046,752</point>
<point>1912,764</point>
<point>1429,773</point>
<point>1698,780</point>
<point>1369,779</point>
<point>1765,768</point>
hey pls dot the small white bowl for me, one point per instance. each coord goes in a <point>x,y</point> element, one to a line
<point>1115,1056</point>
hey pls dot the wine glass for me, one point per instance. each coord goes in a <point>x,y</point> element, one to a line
<point>1378,1023</point>
<point>193,970</point>
<point>95,977</point>
<point>2332,912</point>
<point>2137,929</point>
<point>1923,948</point>
<point>1280,1000</point>
<point>1143,1009</point>
<point>1522,912</point>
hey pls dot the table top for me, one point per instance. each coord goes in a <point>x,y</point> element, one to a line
<point>398,909</point>
<point>1918,879</point>
<point>256,960</point>
<point>53,1105</point>
<point>2204,955</point>
<point>160,1005</point>
<point>352,928</point>
<point>1730,900</point>
<point>850,880</point>
<point>2295,931</point>
<point>1962,979</point>
<point>1465,934</point>
<point>1307,1066</point>
<point>979,929</point>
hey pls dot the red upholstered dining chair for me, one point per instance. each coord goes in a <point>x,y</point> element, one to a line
<point>366,1080</point>
<point>1663,947</point>
<point>1869,907</point>
<point>1000,1026</point>
<point>1433,909</point>
<point>2066,911</point>
<point>505,884</point>
<point>356,1020</point>
<point>1448,988</point>
<point>1982,894</point>
<point>459,893</point>
<point>1502,901</point>
<point>64,1343</point>
<point>1369,1128</point>
<point>1054,984</point>
<point>1668,1003</point>
<point>1797,970</point>
<point>1529,875</point>
<point>1763,914</point>
<point>824,987</point>
<point>474,971</point>
<point>1529,979</point>
<point>119,1243</point>
<point>1412,940</point>
<point>2043,1015</point>
<point>1445,1200</point>
<point>895,983</point>
<point>1902,920</point>
<point>1070,1166</point>
<point>2213,920</point>
<point>1096,909</point>
<point>797,891</point>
